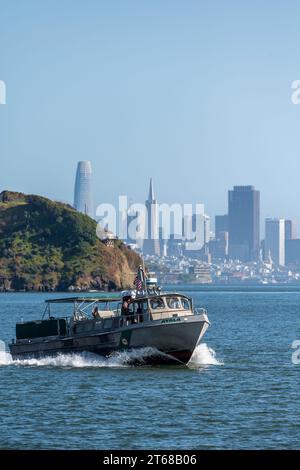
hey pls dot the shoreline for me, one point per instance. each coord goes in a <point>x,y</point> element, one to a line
<point>189,286</point>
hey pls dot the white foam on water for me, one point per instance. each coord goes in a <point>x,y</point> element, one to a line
<point>204,356</point>
<point>83,360</point>
<point>5,358</point>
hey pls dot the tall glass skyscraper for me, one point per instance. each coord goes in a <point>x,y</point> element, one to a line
<point>151,245</point>
<point>83,200</point>
<point>274,241</point>
<point>290,229</point>
<point>243,223</point>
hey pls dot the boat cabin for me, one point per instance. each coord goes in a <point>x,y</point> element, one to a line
<point>105,313</point>
<point>156,307</point>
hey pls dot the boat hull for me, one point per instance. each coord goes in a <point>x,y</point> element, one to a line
<point>172,341</point>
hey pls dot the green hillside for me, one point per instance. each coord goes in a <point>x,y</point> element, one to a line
<point>46,245</point>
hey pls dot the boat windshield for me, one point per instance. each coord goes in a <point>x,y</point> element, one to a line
<point>157,303</point>
<point>186,303</point>
<point>170,302</point>
<point>173,302</point>
<point>138,306</point>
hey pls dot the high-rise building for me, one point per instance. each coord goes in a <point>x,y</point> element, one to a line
<point>290,229</point>
<point>292,252</point>
<point>221,224</point>
<point>243,223</point>
<point>292,244</point>
<point>193,227</point>
<point>175,246</point>
<point>274,241</point>
<point>132,227</point>
<point>196,244</point>
<point>83,200</point>
<point>206,229</point>
<point>196,231</point>
<point>151,245</point>
<point>218,247</point>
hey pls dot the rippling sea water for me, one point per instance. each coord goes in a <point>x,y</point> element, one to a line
<point>241,390</point>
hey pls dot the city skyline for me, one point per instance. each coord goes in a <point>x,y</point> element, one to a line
<point>222,222</point>
<point>236,235</point>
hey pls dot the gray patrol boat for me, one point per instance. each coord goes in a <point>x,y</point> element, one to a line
<point>140,318</point>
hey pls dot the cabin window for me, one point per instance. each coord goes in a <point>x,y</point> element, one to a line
<point>156,304</point>
<point>173,303</point>
<point>186,304</point>
<point>141,307</point>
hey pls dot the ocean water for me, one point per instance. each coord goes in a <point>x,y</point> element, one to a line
<point>241,390</point>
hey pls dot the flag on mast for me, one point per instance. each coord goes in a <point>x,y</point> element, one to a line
<point>140,279</point>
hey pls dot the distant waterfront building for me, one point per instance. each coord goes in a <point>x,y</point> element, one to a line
<point>243,223</point>
<point>83,201</point>
<point>221,224</point>
<point>290,229</point>
<point>275,241</point>
<point>201,272</point>
<point>109,238</point>
<point>151,245</point>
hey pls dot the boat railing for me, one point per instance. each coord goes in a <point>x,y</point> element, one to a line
<point>120,321</point>
<point>135,318</point>
<point>125,320</point>
<point>200,311</point>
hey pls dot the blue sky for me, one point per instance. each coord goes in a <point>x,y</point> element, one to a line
<point>195,94</point>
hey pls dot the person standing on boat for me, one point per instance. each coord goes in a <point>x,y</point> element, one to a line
<point>125,306</point>
<point>96,312</point>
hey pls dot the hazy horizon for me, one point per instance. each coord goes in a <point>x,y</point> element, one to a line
<point>196,95</point>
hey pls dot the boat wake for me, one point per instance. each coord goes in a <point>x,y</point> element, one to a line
<point>203,356</point>
<point>86,359</point>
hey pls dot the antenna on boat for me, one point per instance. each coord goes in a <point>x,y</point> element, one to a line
<point>144,275</point>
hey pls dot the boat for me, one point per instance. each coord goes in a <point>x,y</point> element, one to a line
<point>144,317</point>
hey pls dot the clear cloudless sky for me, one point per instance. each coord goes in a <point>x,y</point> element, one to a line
<point>196,94</point>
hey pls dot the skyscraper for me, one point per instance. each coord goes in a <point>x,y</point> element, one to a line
<point>292,252</point>
<point>206,229</point>
<point>290,229</point>
<point>151,245</point>
<point>197,235</point>
<point>274,241</point>
<point>83,188</point>
<point>243,223</point>
<point>221,225</point>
